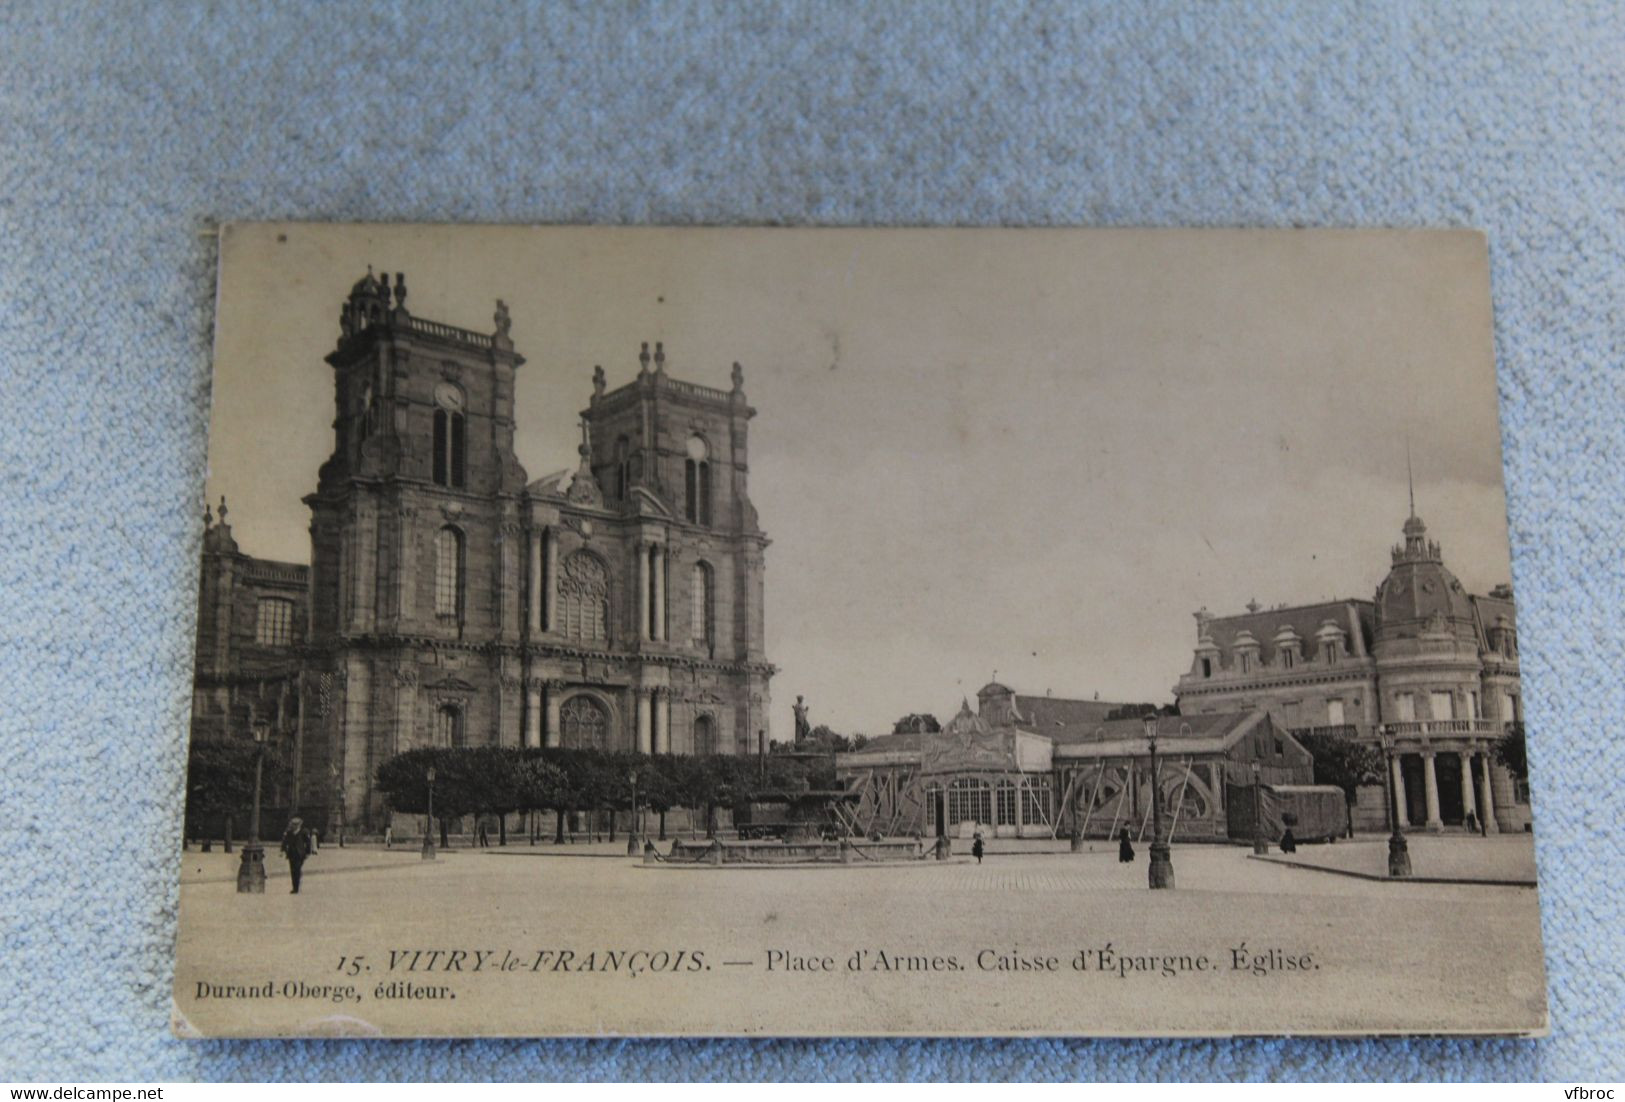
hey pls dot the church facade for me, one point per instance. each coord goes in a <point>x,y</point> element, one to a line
<point>452,601</point>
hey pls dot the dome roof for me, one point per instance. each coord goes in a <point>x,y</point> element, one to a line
<point>1418,587</point>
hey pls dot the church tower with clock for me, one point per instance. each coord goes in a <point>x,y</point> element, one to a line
<point>454,602</point>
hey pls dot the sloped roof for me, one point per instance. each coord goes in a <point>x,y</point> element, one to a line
<point>1266,623</point>
<point>1489,609</point>
<point>1207,725</point>
<point>1176,736</point>
<point>1053,715</point>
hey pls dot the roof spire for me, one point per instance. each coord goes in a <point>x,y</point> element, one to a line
<point>1410,479</point>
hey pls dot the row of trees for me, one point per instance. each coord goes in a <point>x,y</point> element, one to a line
<point>500,780</point>
<point>220,782</point>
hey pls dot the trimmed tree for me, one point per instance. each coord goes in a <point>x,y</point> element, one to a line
<point>1346,763</point>
<point>1512,751</point>
<point>220,780</point>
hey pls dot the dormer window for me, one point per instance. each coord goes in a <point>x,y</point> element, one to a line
<point>1288,647</point>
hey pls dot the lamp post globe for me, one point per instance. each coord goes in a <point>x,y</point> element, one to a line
<point>251,869</point>
<point>428,821</point>
<point>1399,850</point>
<point>1161,872</point>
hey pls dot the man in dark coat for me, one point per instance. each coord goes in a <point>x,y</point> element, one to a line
<point>1125,851</point>
<point>295,847</point>
<point>976,847</point>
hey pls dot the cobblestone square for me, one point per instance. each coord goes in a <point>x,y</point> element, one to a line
<point>579,940</point>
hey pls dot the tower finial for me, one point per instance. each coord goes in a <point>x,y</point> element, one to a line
<point>222,508</point>
<point>1410,479</point>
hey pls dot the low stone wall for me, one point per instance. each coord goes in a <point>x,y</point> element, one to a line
<point>719,852</point>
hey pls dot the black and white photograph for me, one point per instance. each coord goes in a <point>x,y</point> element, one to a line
<point>832,632</point>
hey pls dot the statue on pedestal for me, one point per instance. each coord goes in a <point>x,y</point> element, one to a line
<point>803,728</point>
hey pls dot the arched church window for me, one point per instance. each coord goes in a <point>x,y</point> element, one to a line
<point>448,727</point>
<point>273,626</point>
<point>449,437</point>
<point>700,616</point>
<point>623,468</point>
<point>584,597</point>
<point>584,723</point>
<point>448,573</point>
<point>697,481</point>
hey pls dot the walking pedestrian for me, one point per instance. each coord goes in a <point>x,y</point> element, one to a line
<point>389,836</point>
<point>976,847</point>
<point>1289,843</point>
<point>1125,851</point>
<point>296,846</point>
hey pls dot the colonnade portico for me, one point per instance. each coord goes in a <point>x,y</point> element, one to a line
<point>1476,785</point>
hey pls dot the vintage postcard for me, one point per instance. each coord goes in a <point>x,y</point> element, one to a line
<point>637,631</point>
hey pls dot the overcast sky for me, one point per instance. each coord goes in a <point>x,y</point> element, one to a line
<point>1030,451</point>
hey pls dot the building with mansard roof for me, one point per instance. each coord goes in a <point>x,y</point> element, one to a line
<point>1425,663</point>
<point>451,600</point>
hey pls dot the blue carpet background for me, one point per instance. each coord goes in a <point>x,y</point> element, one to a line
<point>126,130</point>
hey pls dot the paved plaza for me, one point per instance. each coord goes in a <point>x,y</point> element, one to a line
<point>576,939</point>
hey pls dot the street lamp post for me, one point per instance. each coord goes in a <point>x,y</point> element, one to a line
<point>428,822</point>
<point>1399,851</point>
<point>251,871</point>
<point>1260,847</point>
<point>1162,864</point>
<point>632,846</point>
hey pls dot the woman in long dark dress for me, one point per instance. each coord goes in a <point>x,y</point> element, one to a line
<point>1125,851</point>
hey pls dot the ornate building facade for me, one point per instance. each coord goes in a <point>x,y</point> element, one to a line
<point>1044,767</point>
<point>452,601</point>
<point>1425,663</point>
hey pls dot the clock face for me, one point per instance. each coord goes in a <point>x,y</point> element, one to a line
<point>448,396</point>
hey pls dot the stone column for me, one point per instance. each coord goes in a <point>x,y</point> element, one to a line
<point>658,628</point>
<point>663,722</point>
<point>550,582</point>
<point>1469,806</point>
<point>643,591</point>
<point>551,731</point>
<point>1489,795</point>
<point>1401,813</point>
<point>644,720</point>
<point>1430,782</point>
<point>533,716</point>
<point>534,592</point>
